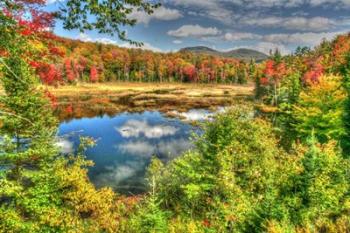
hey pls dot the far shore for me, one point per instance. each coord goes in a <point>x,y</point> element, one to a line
<point>90,99</point>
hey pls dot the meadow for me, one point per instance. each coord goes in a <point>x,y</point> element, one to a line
<point>88,99</point>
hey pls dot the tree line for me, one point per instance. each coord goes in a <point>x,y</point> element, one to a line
<point>75,61</point>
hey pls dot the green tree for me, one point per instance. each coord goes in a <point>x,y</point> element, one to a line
<point>150,218</point>
<point>320,110</point>
<point>108,15</point>
<point>228,178</point>
<point>314,197</point>
<point>291,88</point>
<point>345,70</point>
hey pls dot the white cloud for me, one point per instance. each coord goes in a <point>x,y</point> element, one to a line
<point>200,4</point>
<point>292,23</point>
<point>214,9</point>
<point>194,31</point>
<point>241,36</point>
<point>307,38</point>
<point>327,3</point>
<point>177,41</point>
<point>268,3</point>
<point>48,2</point>
<point>140,148</point>
<point>282,40</point>
<point>145,46</point>
<point>104,40</point>
<point>86,38</point>
<point>136,128</point>
<point>254,4</point>
<point>161,13</point>
<point>266,47</point>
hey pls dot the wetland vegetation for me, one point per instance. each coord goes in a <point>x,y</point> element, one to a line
<point>89,100</point>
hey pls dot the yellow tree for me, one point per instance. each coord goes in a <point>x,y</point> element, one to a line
<point>320,110</point>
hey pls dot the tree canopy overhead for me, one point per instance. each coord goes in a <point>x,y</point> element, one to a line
<point>104,16</point>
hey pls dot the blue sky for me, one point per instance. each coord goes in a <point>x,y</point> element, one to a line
<point>231,24</point>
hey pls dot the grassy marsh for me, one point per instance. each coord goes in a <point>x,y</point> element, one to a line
<point>87,100</point>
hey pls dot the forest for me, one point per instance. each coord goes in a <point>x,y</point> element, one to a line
<point>277,162</point>
<point>73,60</point>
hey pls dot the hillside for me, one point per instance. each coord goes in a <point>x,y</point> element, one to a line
<point>241,54</point>
<point>77,61</point>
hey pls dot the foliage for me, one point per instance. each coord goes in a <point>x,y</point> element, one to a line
<point>320,110</point>
<point>235,182</point>
<point>41,190</point>
<point>345,70</point>
<point>149,217</point>
<point>238,178</point>
<point>121,64</point>
<point>108,15</point>
<point>299,102</point>
<point>222,182</point>
<point>315,195</point>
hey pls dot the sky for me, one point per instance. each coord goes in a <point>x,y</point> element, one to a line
<point>230,24</point>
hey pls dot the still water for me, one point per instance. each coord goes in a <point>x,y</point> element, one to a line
<point>126,142</point>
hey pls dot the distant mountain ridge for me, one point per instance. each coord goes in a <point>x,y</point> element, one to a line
<point>242,54</point>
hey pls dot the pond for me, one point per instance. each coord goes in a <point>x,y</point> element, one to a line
<point>126,143</point>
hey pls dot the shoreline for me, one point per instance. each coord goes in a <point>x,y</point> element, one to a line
<point>89,100</point>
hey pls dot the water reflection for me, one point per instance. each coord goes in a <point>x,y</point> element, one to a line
<point>126,144</point>
<point>194,114</point>
<point>164,148</point>
<point>137,128</point>
<point>65,146</point>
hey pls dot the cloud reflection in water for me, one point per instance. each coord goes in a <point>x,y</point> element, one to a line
<point>126,144</point>
<point>136,128</point>
<point>162,148</point>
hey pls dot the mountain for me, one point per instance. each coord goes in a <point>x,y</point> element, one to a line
<point>241,54</point>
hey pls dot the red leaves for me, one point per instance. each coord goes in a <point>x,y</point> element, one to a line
<point>55,51</point>
<point>273,72</point>
<point>70,74</point>
<point>34,64</point>
<point>280,70</point>
<point>38,2</point>
<point>3,53</point>
<point>312,76</point>
<point>39,22</point>
<point>190,72</point>
<point>49,74</point>
<point>264,81</point>
<point>269,68</point>
<point>93,74</point>
<point>340,48</point>
<point>69,109</point>
<point>206,223</point>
